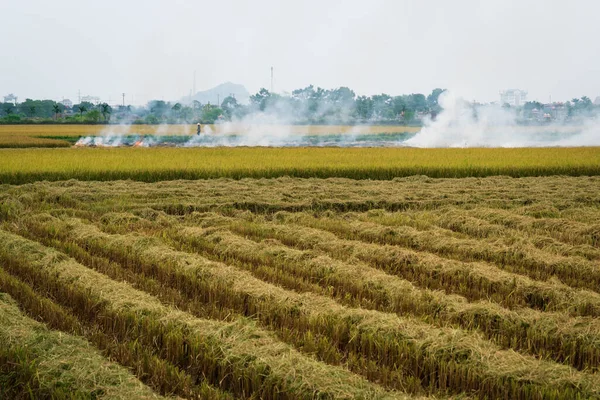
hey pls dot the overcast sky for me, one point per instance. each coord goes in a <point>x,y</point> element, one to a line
<point>150,49</point>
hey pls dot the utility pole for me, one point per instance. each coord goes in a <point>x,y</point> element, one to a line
<point>218,100</point>
<point>271,79</point>
<point>123,99</point>
<point>79,96</point>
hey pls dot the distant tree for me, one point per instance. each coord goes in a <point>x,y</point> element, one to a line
<point>432,99</point>
<point>341,95</point>
<point>305,93</point>
<point>176,107</point>
<point>530,105</point>
<point>106,110</point>
<point>211,113</point>
<point>56,109</point>
<point>416,102</point>
<point>37,108</point>
<point>364,107</point>
<point>186,113</point>
<point>12,118</point>
<point>586,102</point>
<point>407,116</point>
<point>93,116</point>
<point>398,105</point>
<point>260,99</point>
<point>383,107</point>
<point>309,100</point>
<point>582,107</point>
<point>229,106</point>
<point>569,107</point>
<point>229,102</point>
<point>151,119</point>
<point>158,108</point>
<point>9,108</point>
<point>82,108</point>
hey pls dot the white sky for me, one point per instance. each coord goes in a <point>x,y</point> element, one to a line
<point>150,49</point>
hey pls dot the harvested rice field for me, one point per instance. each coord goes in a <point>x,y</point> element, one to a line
<point>293,288</point>
<point>65,135</point>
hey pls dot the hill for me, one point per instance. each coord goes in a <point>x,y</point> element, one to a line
<point>218,93</point>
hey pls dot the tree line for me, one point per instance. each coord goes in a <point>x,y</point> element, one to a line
<point>41,111</point>
<point>309,105</point>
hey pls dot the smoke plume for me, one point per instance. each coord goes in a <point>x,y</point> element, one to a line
<point>461,124</point>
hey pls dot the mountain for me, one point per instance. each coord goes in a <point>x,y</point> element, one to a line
<point>218,93</point>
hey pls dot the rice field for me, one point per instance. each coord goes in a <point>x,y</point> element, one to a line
<point>286,288</point>
<point>19,166</point>
<point>64,135</point>
<point>50,364</point>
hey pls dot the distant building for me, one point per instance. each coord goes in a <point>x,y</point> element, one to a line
<point>513,97</point>
<point>11,98</point>
<point>67,103</point>
<point>555,111</point>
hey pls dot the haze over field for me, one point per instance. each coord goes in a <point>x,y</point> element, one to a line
<point>334,63</point>
<point>339,199</point>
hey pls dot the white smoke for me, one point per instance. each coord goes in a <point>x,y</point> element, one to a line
<point>461,124</point>
<point>110,136</point>
<point>256,129</point>
<point>588,136</point>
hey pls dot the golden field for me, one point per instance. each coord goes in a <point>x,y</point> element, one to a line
<point>228,128</point>
<point>297,273</point>
<point>29,135</point>
<point>289,288</point>
<point>156,164</point>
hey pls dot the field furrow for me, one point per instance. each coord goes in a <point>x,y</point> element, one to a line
<point>459,223</point>
<point>563,229</point>
<point>573,271</point>
<point>236,355</point>
<point>422,343</point>
<point>576,342</point>
<point>473,280</point>
<point>299,318</point>
<point>156,372</point>
<point>569,198</point>
<point>36,362</point>
<point>318,288</point>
